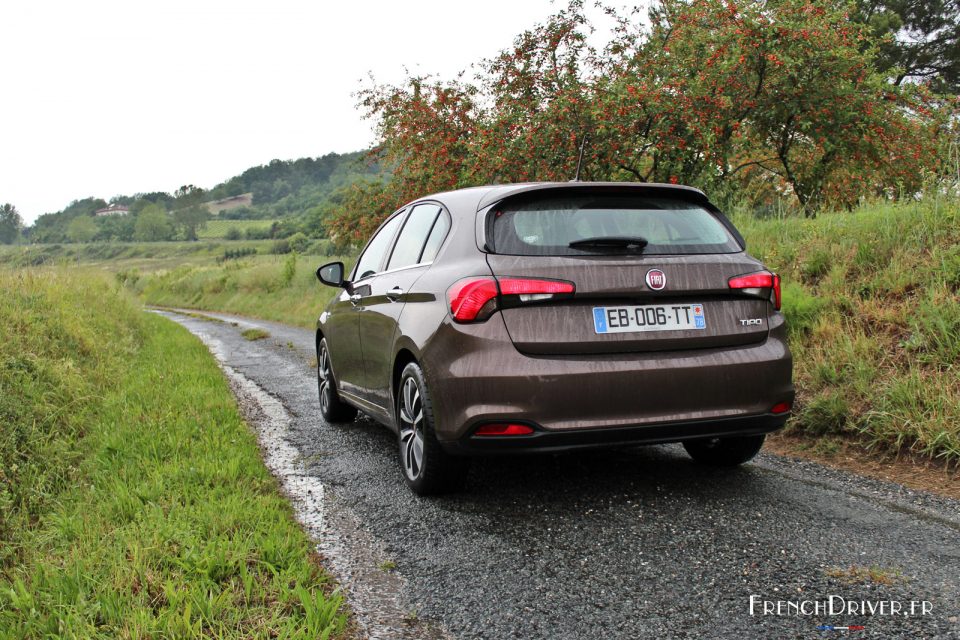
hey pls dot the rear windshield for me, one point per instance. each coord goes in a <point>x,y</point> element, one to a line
<point>546,227</point>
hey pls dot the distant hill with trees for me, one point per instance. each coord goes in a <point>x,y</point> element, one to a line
<point>300,193</point>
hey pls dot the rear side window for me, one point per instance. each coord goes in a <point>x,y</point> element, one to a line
<point>414,235</point>
<point>547,227</point>
<point>437,235</point>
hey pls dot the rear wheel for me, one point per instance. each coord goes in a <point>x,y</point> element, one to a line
<point>724,452</point>
<point>332,408</point>
<point>427,468</point>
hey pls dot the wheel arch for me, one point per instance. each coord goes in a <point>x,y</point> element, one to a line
<point>403,357</point>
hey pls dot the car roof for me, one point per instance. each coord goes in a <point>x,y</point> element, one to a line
<point>476,198</point>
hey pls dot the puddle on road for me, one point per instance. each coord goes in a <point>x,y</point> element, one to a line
<point>351,554</point>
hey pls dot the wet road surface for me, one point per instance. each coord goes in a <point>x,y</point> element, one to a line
<point>629,544</point>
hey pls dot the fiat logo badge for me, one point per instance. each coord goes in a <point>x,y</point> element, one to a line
<point>656,279</point>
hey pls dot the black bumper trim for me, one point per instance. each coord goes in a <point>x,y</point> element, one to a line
<point>543,441</point>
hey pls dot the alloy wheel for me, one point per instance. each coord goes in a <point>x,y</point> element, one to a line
<point>411,428</point>
<point>323,373</point>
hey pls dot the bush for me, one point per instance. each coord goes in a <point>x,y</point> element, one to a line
<point>280,247</point>
<point>257,233</point>
<point>298,242</point>
<point>233,233</point>
<point>234,254</point>
<point>289,269</point>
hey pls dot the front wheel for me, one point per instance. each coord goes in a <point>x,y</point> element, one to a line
<point>427,468</point>
<point>724,452</point>
<point>332,408</point>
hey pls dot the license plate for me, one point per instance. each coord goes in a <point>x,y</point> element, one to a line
<point>651,317</point>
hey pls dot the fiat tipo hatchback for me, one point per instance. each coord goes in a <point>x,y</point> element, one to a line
<point>553,317</point>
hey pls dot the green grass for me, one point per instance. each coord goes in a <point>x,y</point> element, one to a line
<point>281,288</point>
<point>872,299</point>
<point>125,256</point>
<point>218,228</point>
<point>135,501</point>
<point>254,334</point>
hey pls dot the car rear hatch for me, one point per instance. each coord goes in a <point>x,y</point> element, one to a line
<point>648,274</point>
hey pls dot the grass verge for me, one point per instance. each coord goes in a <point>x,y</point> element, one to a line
<point>872,299</point>
<point>153,515</point>
<point>280,288</point>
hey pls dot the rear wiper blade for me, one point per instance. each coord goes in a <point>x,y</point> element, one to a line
<point>607,243</point>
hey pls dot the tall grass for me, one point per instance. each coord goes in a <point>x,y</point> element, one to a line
<point>58,355</point>
<point>138,505</point>
<point>873,303</point>
<point>281,288</point>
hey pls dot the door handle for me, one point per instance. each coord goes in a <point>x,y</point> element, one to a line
<point>355,299</point>
<point>395,293</point>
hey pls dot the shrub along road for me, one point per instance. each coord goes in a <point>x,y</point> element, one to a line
<point>627,544</point>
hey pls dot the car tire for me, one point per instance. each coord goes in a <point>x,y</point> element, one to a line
<point>426,467</point>
<point>724,452</point>
<point>332,408</point>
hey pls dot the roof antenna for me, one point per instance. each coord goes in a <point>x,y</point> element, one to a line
<point>583,143</point>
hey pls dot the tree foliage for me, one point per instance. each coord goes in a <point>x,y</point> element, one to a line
<point>153,224</point>
<point>190,213</point>
<point>81,229</point>
<point>920,39</point>
<point>751,100</point>
<point>10,224</point>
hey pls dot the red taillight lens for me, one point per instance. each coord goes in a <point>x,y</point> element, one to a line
<point>780,407</point>
<point>469,296</point>
<point>474,299</point>
<point>759,280</point>
<point>540,288</point>
<point>503,430</point>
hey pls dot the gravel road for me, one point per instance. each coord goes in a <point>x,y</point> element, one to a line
<point>628,544</point>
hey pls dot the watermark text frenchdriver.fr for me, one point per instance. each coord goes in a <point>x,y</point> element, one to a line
<point>835,605</point>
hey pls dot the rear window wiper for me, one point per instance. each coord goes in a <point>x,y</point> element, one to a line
<point>611,243</point>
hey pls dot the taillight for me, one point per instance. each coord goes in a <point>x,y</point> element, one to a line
<point>503,430</point>
<point>469,296</point>
<point>475,299</point>
<point>754,283</point>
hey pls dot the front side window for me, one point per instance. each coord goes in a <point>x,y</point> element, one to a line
<point>580,225</point>
<point>373,255</point>
<point>410,243</point>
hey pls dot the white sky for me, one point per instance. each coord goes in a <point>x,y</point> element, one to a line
<point>102,98</point>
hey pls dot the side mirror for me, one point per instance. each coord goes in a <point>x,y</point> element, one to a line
<point>331,274</point>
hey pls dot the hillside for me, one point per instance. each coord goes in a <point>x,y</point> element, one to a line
<point>285,187</point>
<point>279,189</point>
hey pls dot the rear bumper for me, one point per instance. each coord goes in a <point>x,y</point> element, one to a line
<point>541,441</point>
<point>476,376</point>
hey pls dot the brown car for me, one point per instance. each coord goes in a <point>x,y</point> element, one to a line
<point>556,316</point>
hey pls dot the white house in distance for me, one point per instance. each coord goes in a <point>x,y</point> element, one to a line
<point>112,210</point>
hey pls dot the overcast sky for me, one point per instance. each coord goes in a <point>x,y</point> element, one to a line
<point>102,98</point>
